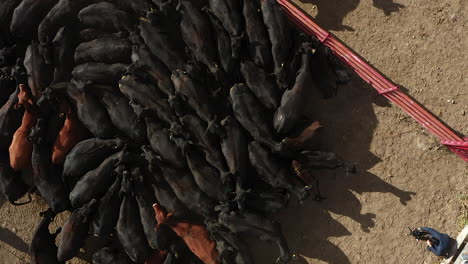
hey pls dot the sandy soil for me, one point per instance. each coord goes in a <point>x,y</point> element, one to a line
<point>405,177</point>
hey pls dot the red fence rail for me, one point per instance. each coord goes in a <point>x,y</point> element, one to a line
<point>383,85</point>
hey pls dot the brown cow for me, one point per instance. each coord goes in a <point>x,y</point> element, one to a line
<point>195,236</point>
<point>71,133</point>
<point>21,148</point>
<point>305,139</point>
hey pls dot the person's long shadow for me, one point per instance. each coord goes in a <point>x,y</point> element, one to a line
<point>331,13</point>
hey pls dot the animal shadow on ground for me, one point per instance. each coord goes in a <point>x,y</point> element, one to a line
<point>348,121</point>
<point>331,13</point>
<point>2,201</point>
<point>10,238</point>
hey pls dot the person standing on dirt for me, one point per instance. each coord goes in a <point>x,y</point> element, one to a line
<point>438,243</point>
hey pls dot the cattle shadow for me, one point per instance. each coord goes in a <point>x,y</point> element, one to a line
<point>307,234</point>
<point>331,13</point>
<point>2,201</point>
<point>349,122</point>
<point>10,238</point>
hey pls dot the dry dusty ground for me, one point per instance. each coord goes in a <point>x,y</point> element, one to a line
<point>405,177</point>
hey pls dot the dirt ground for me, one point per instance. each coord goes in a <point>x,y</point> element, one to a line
<point>405,178</point>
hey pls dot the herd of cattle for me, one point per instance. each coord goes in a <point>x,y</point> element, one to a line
<point>168,127</point>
